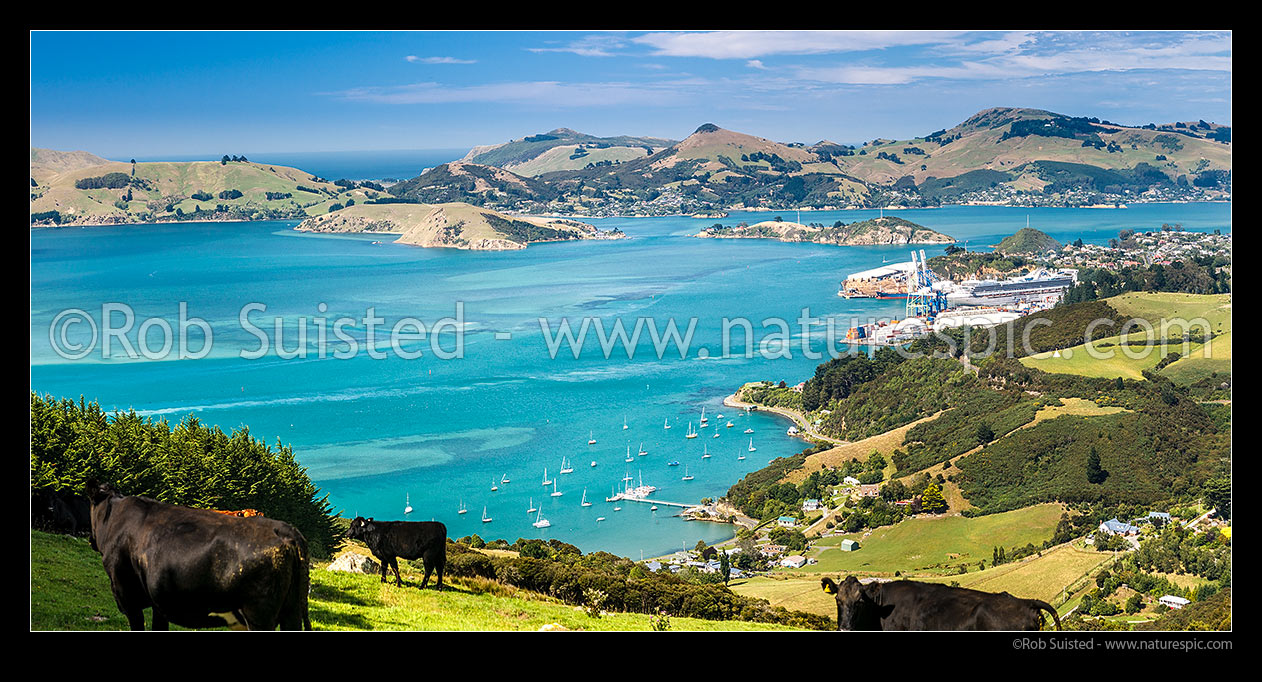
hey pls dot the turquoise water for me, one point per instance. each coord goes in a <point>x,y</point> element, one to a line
<point>374,431</point>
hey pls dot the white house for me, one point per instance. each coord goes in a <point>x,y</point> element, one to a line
<point>1174,602</point>
<point>787,522</point>
<point>811,505</point>
<point>795,561</point>
<point>851,480</point>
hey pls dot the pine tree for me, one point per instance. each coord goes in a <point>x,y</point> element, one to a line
<point>725,567</point>
<point>1095,473</point>
<point>932,500</point>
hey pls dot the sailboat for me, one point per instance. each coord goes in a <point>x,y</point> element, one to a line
<point>566,467</point>
<point>691,433</point>
<point>532,509</point>
<point>599,519</point>
<point>730,424</point>
<point>504,480</point>
<point>593,462</point>
<point>545,477</point>
<point>703,418</point>
<point>642,452</point>
<point>555,492</point>
<point>407,509</point>
<point>687,476</point>
<point>666,423</point>
<point>716,433</point>
<point>741,457</point>
<point>749,430</point>
<point>591,437</point>
<point>707,453</point>
<point>485,518</point>
<point>462,509</point>
<point>673,463</point>
<point>624,423</point>
<point>629,457</point>
<point>494,487</point>
<point>585,503</point>
<point>541,522</point>
<point>751,445</point>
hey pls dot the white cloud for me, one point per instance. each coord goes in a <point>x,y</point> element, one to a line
<point>751,44</point>
<point>439,60</point>
<point>756,64</point>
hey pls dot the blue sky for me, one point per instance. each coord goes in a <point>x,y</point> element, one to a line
<point>164,94</point>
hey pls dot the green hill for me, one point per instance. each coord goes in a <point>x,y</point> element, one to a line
<point>70,591</point>
<point>68,192</point>
<point>563,149</point>
<point>1027,240</point>
<point>884,230</point>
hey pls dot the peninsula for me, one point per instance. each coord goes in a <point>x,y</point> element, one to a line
<point>454,225</point>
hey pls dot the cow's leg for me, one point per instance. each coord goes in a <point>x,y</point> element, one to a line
<point>385,566</point>
<point>160,621</point>
<point>135,618</point>
<point>440,563</point>
<point>429,568</point>
<point>398,579</point>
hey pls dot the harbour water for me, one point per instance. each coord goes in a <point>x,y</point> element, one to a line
<point>440,431</point>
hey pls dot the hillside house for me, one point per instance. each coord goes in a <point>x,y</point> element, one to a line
<point>870,490</point>
<point>812,505</point>
<point>849,545</point>
<point>787,522</point>
<point>1174,602</point>
<point>795,561</point>
<point>1115,527</point>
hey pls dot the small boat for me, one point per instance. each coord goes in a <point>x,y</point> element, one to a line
<point>593,462</point>
<point>545,477</point>
<point>504,480</point>
<point>532,509</point>
<point>642,452</point>
<point>617,508</point>
<point>718,416</point>
<point>407,509</point>
<point>462,510</point>
<point>749,430</point>
<point>716,434</point>
<point>691,433</point>
<point>703,418</point>
<point>485,518</point>
<point>624,423</point>
<point>599,519</point>
<point>741,457</point>
<point>653,508</point>
<point>674,463</point>
<point>707,453</point>
<point>629,457</point>
<point>541,522</point>
<point>585,503</point>
<point>666,423</point>
<point>566,467</point>
<point>591,438</point>
<point>751,445</point>
<point>494,487</point>
<point>730,424</point>
<point>555,492</point>
<point>687,476</point>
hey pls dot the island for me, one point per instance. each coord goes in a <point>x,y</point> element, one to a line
<point>873,232</point>
<point>454,225</point>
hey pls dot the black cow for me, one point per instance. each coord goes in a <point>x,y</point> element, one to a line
<point>909,605</point>
<point>60,511</point>
<point>394,540</point>
<point>197,568</point>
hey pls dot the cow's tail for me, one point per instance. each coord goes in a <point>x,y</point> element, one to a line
<point>1044,606</point>
<point>303,583</point>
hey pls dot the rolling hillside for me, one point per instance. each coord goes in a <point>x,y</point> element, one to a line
<point>66,191</point>
<point>563,149</point>
<point>70,591</point>
<point>877,231</point>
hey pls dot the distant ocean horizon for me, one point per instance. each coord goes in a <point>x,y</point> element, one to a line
<point>399,164</point>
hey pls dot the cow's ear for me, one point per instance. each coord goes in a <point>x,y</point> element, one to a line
<point>97,491</point>
<point>850,580</point>
<point>829,586</point>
